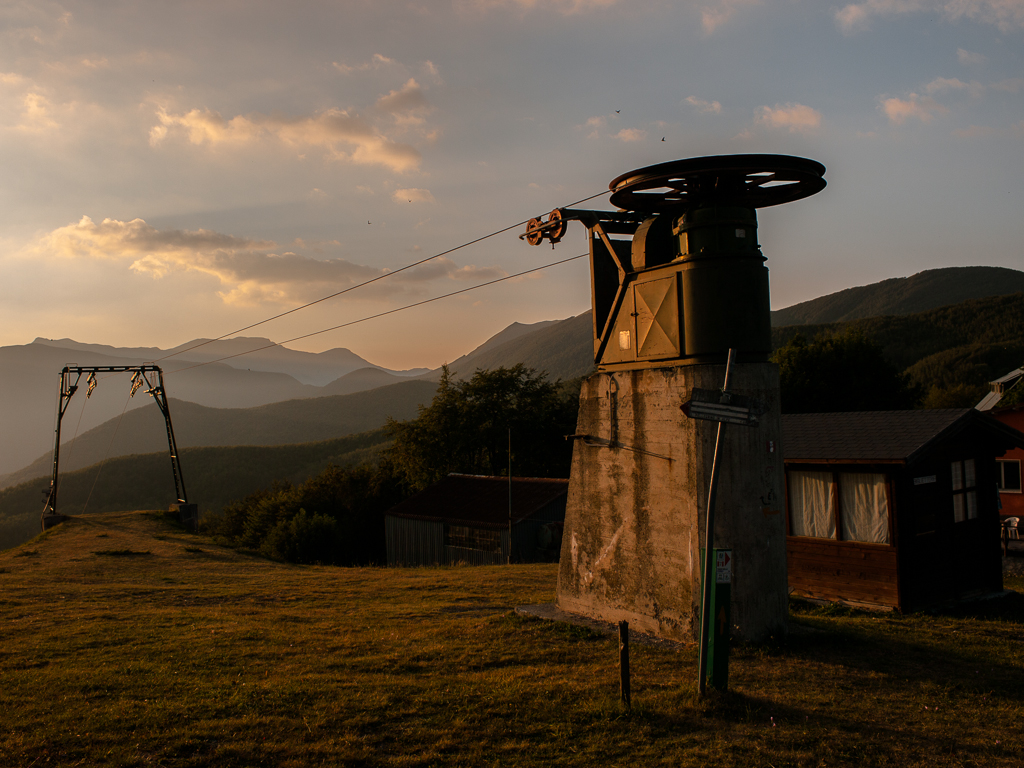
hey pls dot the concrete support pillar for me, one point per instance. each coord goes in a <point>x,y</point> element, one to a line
<point>638,494</point>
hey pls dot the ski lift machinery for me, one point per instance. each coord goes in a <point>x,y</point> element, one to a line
<point>680,301</point>
<point>70,379</point>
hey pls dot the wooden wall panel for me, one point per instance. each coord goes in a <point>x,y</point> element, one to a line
<point>839,570</point>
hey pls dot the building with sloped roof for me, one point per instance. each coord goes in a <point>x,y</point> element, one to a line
<point>1008,467</point>
<point>895,509</point>
<point>1000,387</point>
<point>479,520</point>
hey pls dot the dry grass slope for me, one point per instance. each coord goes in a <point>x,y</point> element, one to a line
<point>125,641</point>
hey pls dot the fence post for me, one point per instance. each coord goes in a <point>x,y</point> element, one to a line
<point>624,663</point>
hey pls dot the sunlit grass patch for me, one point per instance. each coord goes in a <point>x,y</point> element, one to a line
<point>229,660</point>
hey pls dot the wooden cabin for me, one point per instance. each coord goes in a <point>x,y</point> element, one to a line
<point>895,509</point>
<point>477,520</point>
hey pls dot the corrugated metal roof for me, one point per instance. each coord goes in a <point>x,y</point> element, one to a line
<point>999,388</point>
<point>477,500</point>
<point>1011,376</point>
<point>882,436</point>
<point>989,401</point>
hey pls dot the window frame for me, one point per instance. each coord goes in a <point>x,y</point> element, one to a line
<point>1001,476</point>
<point>836,510</point>
<point>967,492</point>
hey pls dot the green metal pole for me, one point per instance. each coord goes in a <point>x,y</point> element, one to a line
<point>709,546</point>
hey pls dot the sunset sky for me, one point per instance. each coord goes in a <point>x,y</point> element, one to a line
<point>180,170</point>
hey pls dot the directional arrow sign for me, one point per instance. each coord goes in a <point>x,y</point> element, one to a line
<point>716,405</point>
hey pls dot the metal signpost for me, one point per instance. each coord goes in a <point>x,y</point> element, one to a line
<point>725,408</point>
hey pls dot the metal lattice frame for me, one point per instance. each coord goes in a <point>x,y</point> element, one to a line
<point>141,377</point>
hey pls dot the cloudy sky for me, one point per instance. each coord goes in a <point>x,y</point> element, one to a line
<point>180,170</point>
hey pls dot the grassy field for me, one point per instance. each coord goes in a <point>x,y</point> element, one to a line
<point>125,641</point>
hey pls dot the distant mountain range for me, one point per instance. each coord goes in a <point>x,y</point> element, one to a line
<point>926,290</point>
<point>563,349</point>
<point>29,376</point>
<point>221,405</point>
<point>292,421</point>
<point>245,353</point>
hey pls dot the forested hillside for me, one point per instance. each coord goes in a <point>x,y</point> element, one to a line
<point>926,290</point>
<point>962,346</point>
<point>292,421</point>
<point>214,476</point>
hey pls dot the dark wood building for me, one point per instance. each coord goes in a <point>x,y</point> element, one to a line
<point>469,519</point>
<point>896,509</point>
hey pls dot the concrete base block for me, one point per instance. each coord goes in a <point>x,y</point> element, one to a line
<point>638,496</point>
<point>188,515</point>
<point>48,521</point>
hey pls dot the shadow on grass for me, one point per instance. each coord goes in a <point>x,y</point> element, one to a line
<point>122,553</point>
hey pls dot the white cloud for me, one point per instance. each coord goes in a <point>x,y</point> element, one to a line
<point>968,59</point>
<point>412,196</point>
<point>37,112</point>
<point>407,105</point>
<point>921,107</point>
<point>944,84</point>
<point>594,126</point>
<point>718,13</point>
<point>630,134</point>
<point>430,70</point>
<point>248,271</point>
<point>704,106</point>
<point>376,62</point>
<point>940,84</point>
<point>344,136</point>
<point>1004,14</point>
<point>795,117</point>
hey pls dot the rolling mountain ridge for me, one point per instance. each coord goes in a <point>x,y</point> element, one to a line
<point>926,290</point>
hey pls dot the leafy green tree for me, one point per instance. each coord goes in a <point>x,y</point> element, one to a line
<point>466,428</point>
<point>954,396</point>
<point>1015,395</point>
<point>841,372</point>
<point>336,517</point>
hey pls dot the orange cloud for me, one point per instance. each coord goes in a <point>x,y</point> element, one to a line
<point>344,136</point>
<point>248,271</point>
<point>795,117</point>
<point>921,107</point>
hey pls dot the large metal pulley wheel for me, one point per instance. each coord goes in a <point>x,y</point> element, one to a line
<point>748,181</point>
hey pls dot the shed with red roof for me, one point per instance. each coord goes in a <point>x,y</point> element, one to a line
<point>478,519</point>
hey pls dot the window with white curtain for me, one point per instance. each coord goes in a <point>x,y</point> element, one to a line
<point>864,507</point>
<point>854,504</point>
<point>811,500</point>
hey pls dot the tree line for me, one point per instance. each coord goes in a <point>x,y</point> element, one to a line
<point>514,419</point>
<point>496,421</point>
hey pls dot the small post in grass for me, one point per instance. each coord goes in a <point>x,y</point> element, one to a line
<point>624,663</point>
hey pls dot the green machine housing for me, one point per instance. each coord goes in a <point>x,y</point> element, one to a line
<point>688,281</point>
